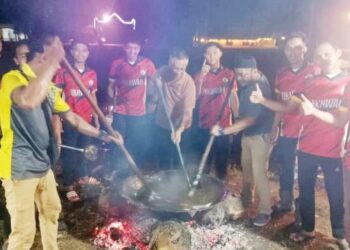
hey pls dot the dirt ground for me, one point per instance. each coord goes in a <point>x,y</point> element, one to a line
<point>277,231</point>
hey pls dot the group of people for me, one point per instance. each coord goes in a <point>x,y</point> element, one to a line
<point>311,114</point>
<point>153,108</point>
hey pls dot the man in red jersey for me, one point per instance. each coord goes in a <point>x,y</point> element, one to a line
<point>338,118</point>
<point>320,143</point>
<point>212,85</point>
<point>290,80</point>
<point>128,84</point>
<point>74,166</point>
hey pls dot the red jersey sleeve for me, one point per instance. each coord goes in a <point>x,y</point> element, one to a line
<point>114,69</point>
<point>197,83</point>
<point>345,103</point>
<point>151,69</point>
<point>59,78</point>
<point>235,85</point>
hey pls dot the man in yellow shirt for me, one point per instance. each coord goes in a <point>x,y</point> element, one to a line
<point>28,148</point>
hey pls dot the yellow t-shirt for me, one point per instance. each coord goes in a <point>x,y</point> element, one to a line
<point>26,133</point>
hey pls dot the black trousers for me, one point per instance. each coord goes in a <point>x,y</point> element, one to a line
<point>167,154</point>
<point>286,155</point>
<point>219,152</point>
<point>135,131</point>
<point>74,164</point>
<point>333,176</point>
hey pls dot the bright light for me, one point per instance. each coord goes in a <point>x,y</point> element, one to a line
<point>107,18</point>
<point>283,38</point>
<point>348,15</point>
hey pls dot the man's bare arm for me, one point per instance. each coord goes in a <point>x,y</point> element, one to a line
<point>234,103</point>
<point>111,91</point>
<point>85,128</point>
<point>277,106</point>
<point>338,119</point>
<point>235,128</point>
<point>80,124</point>
<point>57,128</point>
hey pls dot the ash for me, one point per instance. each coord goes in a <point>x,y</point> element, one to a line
<point>228,237</point>
<point>136,235</point>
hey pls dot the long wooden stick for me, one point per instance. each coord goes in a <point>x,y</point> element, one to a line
<point>204,158</point>
<point>104,121</point>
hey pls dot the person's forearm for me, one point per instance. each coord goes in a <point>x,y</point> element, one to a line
<point>276,106</point>
<point>80,124</point>
<point>199,82</point>
<point>32,95</point>
<point>276,120</point>
<point>239,126</point>
<point>338,120</point>
<point>57,128</point>
<point>188,105</point>
<point>235,104</point>
<point>94,114</point>
<point>111,91</point>
<point>183,123</point>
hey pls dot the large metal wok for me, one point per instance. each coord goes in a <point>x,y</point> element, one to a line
<point>171,191</point>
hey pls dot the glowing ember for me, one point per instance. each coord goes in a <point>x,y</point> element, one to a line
<point>117,235</point>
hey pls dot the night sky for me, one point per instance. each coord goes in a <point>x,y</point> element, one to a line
<point>165,22</point>
<point>168,23</point>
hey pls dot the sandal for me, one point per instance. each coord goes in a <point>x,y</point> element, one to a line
<point>72,196</point>
<point>89,181</point>
<point>302,236</point>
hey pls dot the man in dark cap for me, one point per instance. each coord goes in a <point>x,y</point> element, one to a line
<point>255,122</point>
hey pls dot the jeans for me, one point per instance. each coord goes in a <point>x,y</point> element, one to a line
<point>333,176</point>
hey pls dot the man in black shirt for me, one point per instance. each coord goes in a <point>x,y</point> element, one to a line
<point>255,123</point>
